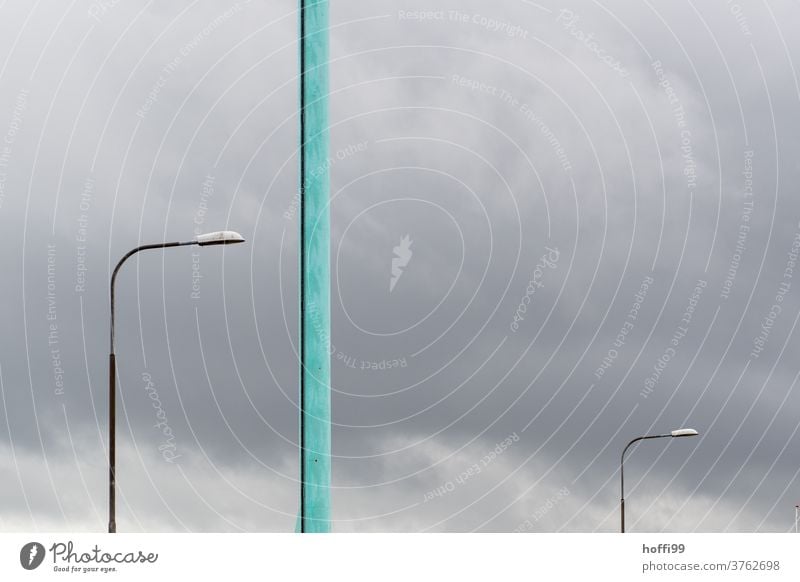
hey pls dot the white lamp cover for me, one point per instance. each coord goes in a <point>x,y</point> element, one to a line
<point>222,237</point>
<point>684,432</point>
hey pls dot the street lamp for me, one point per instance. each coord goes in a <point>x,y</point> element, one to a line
<point>224,237</point>
<point>682,432</point>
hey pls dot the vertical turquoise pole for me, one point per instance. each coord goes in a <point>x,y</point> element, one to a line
<point>315,321</point>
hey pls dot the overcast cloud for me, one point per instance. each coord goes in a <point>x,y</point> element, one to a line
<point>597,219</point>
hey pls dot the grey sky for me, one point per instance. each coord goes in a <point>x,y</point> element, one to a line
<point>615,139</point>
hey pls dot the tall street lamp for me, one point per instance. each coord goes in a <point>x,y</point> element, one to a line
<point>683,432</point>
<point>224,237</point>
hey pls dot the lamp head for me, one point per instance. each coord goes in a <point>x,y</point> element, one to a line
<point>222,237</point>
<point>684,432</point>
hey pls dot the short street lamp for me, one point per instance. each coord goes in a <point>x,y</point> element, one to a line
<point>683,432</point>
<point>224,237</point>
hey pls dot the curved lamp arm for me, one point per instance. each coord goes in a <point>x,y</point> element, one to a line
<point>681,432</point>
<point>622,459</point>
<point>127,256</point>
<point>222,237</point>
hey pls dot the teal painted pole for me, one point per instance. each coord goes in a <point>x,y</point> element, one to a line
<point>315,321</point>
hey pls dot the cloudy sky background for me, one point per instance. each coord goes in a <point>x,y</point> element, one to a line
<point>488,132</point>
